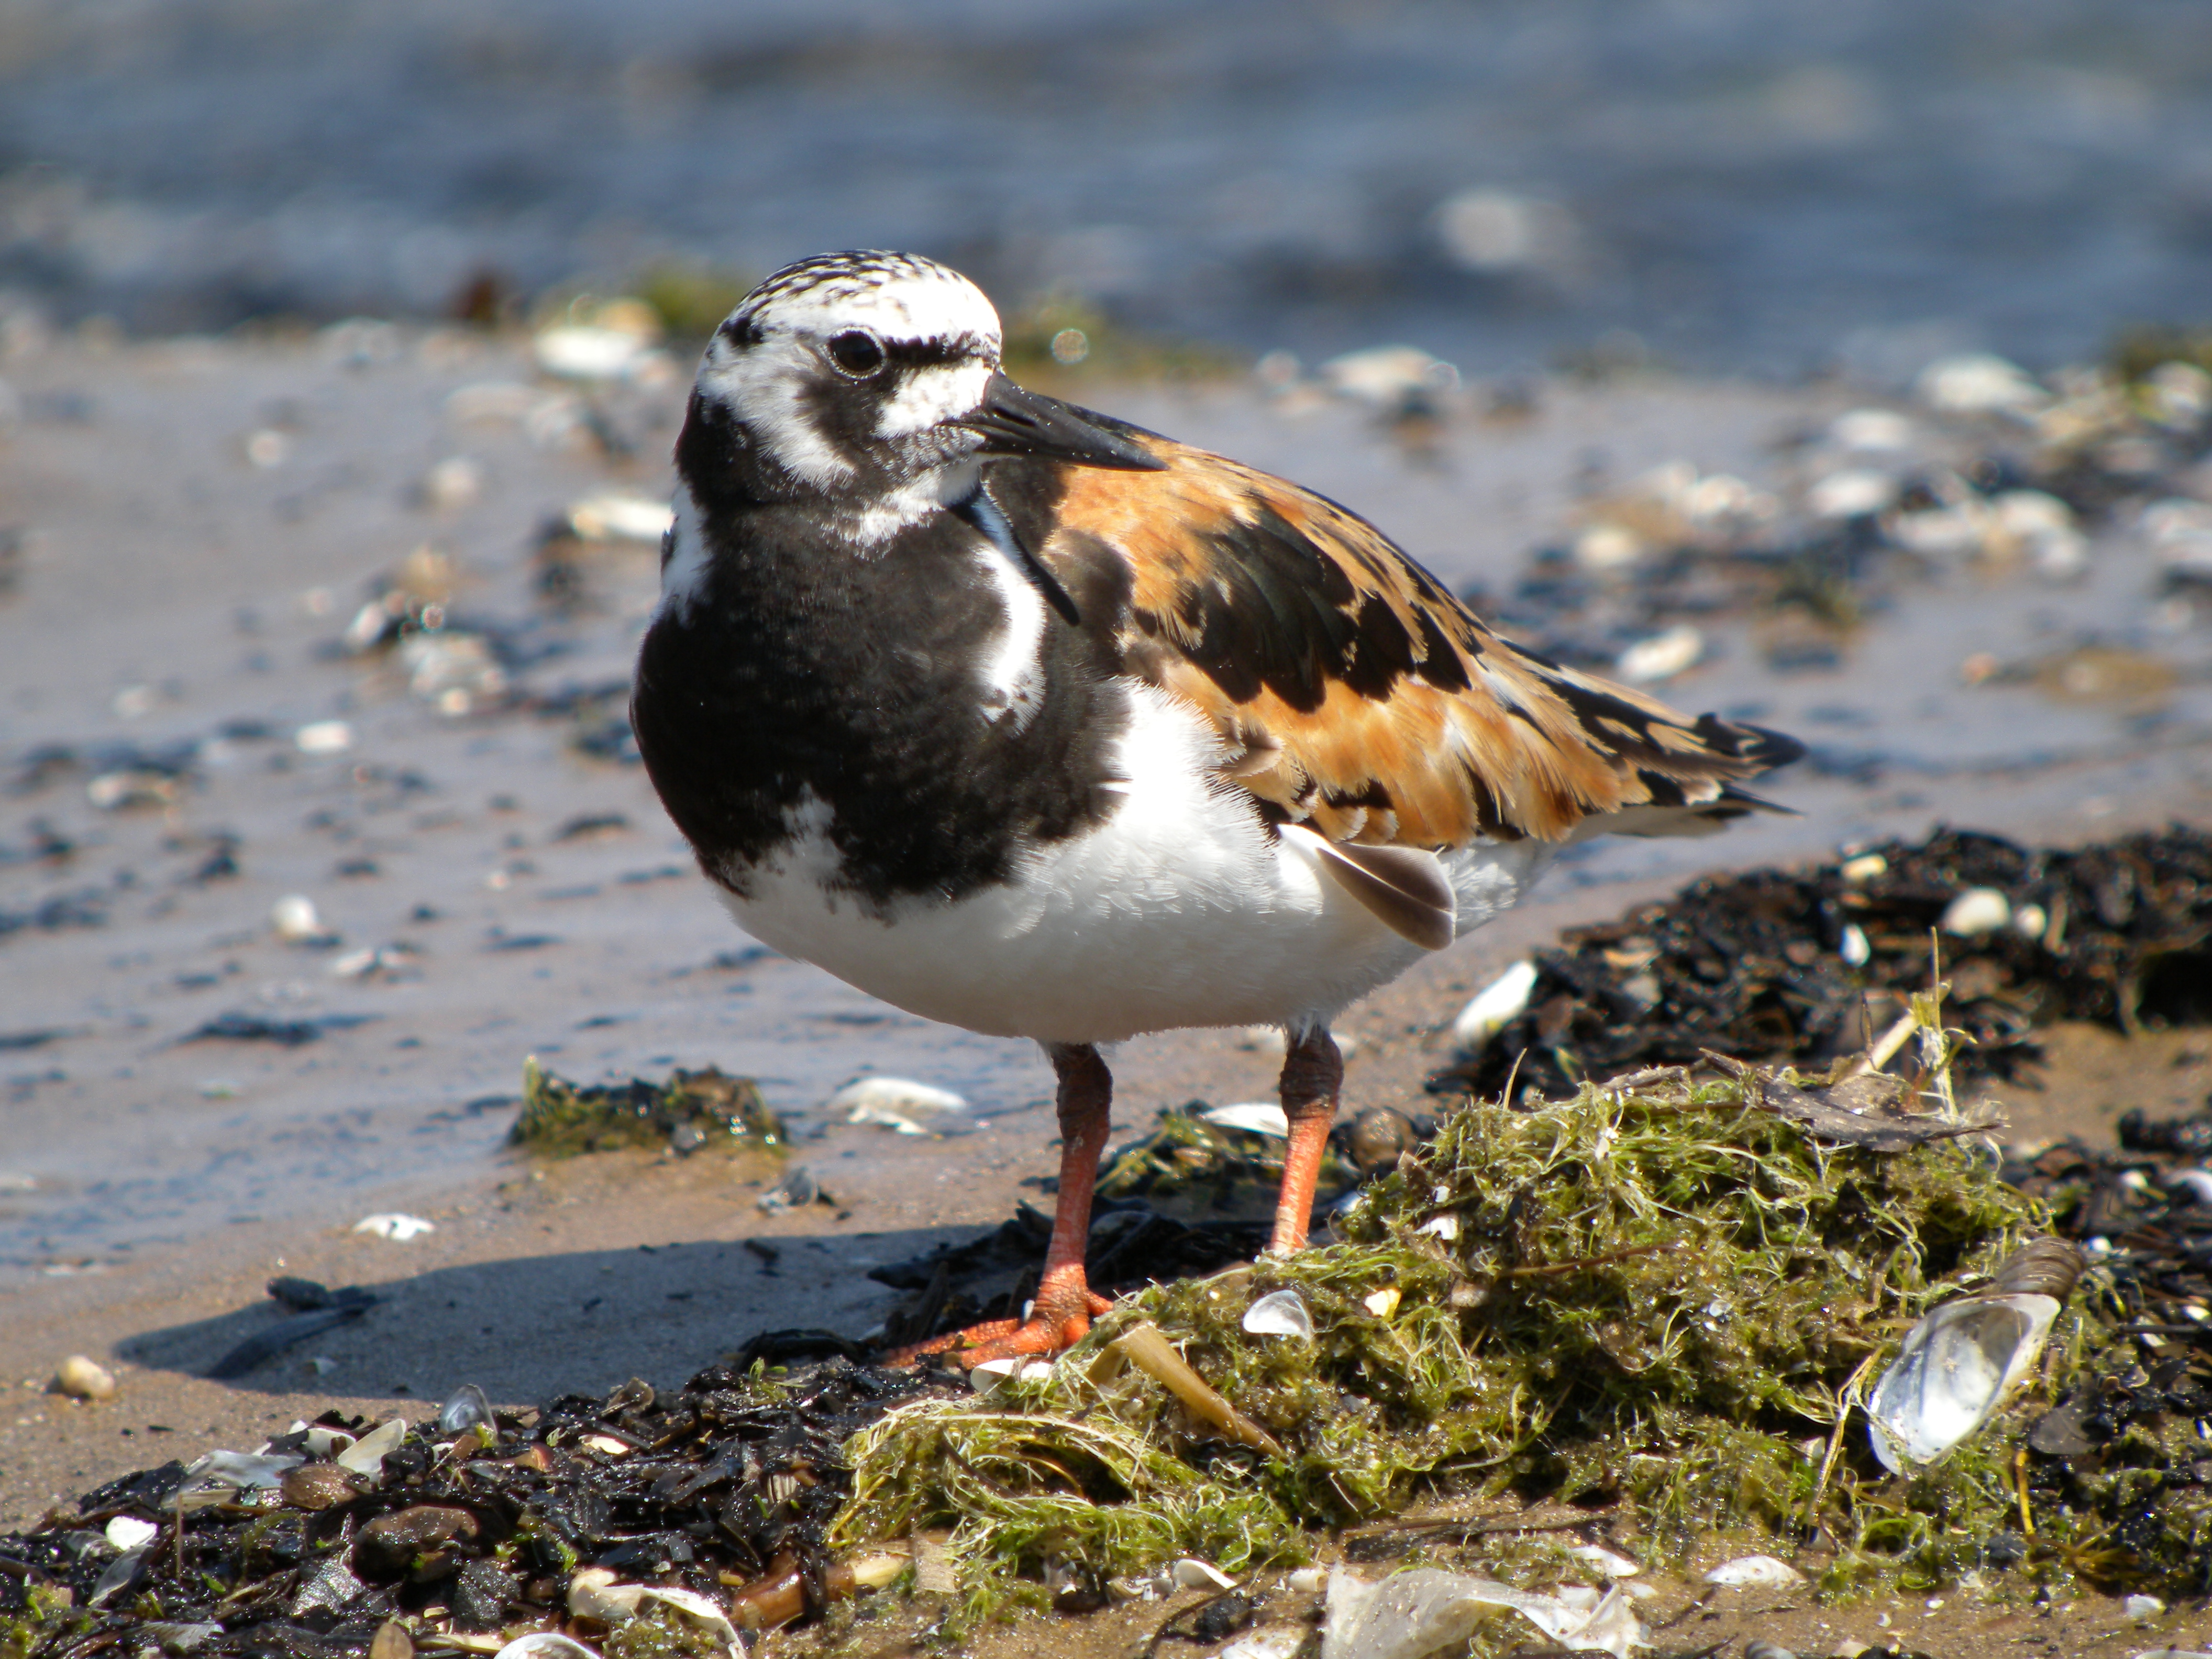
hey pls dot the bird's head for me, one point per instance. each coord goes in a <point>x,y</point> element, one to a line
<point>850,377</point>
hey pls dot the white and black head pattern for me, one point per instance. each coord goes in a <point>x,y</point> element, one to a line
<point>840,376</point>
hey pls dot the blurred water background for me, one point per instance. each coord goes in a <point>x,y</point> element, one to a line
<point>1766,185</point>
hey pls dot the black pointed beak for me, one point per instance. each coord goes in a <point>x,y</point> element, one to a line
<point>1014,422</point>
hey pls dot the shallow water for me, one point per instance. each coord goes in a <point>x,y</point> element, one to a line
<point>199,589</point>
<point>1739,184</point>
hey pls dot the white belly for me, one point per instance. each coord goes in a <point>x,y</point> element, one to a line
<point>1181,909</point>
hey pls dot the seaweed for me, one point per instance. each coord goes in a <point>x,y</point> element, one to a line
<point>1657,1304</point>
<point>690,1112</point>
<point>1759,965</point>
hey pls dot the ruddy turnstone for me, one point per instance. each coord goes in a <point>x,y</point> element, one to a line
<point>1027,720</point>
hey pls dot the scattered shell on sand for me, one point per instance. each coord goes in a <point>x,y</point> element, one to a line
<point>1191,1573</point>
<point>82,1378</point>
<point>394,1225</point>
<point>1661,657</point>
<point>896,1102</point>
<point>1755,1572</point>
<point>1494,1007</point>
<point>323,737</point>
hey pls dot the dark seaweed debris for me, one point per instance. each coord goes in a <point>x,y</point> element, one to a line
<point>1753,965</point>
<point>702,1489</point>
<point>2126,1444</point>
<point>690,1112</point>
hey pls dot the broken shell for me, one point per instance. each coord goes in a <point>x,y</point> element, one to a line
<point>1755,1572</point>
<point>896,1102</point>
<point>1977,383</point>
<point>366,1455</point>
<point>1865,868</point>
<point>1383,1302</point>
<point>323,737</point>
<point>992,1376</point>
<point>128,1532</point>
<point>1976,911</point>
<point>1608,1562</point>
<point>1856,949</point>
<point>597,1593</point>
<point>1871,430</point>
<point>1955,1368</point>
<point>1661,657</point>
<point>121,1574</point>
<point>1191,1573</point>
<point>1855,493</point>
<point>390,1641</point>
<point>393,1225</point>
<point>605,1444</point>
<point>1150,1352</point>
<point>546,1644</point>
<point>466,1410</point>
<point>1494,1007</point>
<point>1309,1581</point>
<point>1280,1313</point>
<point>1759,1648</point>
<point>83,1378</point>
<point>1259,1117</point>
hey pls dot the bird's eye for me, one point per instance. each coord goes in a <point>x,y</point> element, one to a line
<point>856,353</point>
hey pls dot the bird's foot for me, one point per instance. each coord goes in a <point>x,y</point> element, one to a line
<point>1055,1323</point>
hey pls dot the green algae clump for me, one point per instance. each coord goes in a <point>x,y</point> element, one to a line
<point>691,1111</point>
<point>1657,1302</point>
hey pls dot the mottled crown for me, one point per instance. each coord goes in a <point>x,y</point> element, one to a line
<point>898,296</point>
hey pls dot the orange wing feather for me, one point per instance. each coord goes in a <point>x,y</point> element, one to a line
<point>1353,693</point>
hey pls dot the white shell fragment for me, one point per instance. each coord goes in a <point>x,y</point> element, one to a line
<point>1259,1117</point>
<point>597,1593</point>
<point>1280,1313</point>
<point>1191,1573</point>
<point>1856,948</point>
<point>1977,383</point>
<point>1383,1302</point>
<point>1755,1572</point>
<point>1661,657</point>
<point>128,1532</point>
<point>580,352</point>
<point>1276,1642</point>
<point>1411,1615</point>
<point>1496,1006</point>
<point>1853,493</point>
<point>894,1103</point>
<point>366,1455</point>
<point>395,1226</point>
<point>1309,1581</point>
<point>1976,911</point>
<point>1954,1370</point>
<point>323,737</point>
<point>1611,1563</point>
<point>1865,868</point>
<point>293,918</point>
<point>992,1376</point>
<point>2143,1608</point>
<point>605,1444</point>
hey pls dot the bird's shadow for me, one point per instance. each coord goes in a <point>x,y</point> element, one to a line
<point>529,1328</point>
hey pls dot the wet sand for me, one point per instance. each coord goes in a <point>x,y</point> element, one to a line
<point>185,575</point>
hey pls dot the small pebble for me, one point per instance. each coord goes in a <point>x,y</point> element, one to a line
<point>2143,1608</point>
<point>293,918</point>
<point>82,1378</point>
<point>1280,1313</point>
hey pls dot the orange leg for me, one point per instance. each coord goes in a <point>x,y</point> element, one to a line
<point>1065,1305</point>
<point>1313,1076</point>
